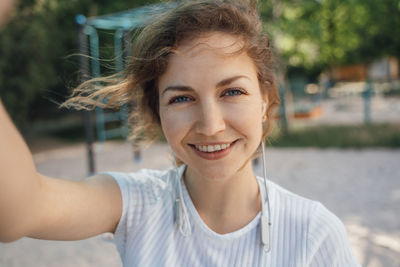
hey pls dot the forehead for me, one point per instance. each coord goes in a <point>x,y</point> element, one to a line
<point>208,58</point>
<point>217,42</point>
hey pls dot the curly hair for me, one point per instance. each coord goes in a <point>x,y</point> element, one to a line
<point>149,60</point>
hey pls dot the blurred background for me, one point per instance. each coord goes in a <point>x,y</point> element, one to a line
<point>338,134</point>
<point>338,67</point>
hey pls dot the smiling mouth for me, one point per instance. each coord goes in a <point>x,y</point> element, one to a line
<point>213,148</point>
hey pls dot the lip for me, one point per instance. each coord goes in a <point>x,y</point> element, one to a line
<point>212,143</point>
<point>213,155</point>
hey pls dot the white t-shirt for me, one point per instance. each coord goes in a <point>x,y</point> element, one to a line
<point>303,232</point>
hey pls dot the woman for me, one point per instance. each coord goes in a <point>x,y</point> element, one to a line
<point>202,73</point>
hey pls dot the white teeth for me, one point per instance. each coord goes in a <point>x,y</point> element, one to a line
<point>211,148</point>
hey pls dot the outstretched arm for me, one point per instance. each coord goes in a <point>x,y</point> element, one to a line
<point>47,208</point>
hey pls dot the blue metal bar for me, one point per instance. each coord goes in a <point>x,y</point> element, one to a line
<point>367,94</point>
<point>119,34</point>
<point>121,22</point>
<point>129,19</point>
<point>84,67</point>
<point>119,37</point>
<point>95,66</point>
<point>282,108</point>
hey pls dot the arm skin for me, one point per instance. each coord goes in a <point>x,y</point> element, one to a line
<point>47,208</point>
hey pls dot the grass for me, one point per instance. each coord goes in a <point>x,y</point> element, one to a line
<point>393,92</point>
<point>343,136</point>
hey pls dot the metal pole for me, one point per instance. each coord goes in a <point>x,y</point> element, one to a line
<point>137,154</point>
<point>95,66</point>
<point>119,65</point>
<point>282,108</point>
<point>367,94</point>
<point>84,74</point>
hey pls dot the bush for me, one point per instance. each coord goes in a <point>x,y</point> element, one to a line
<point>349,136</point>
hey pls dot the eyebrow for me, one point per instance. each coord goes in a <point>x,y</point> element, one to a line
<point>184,88</point>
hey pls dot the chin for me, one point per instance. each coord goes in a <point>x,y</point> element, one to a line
<point>215,172</point>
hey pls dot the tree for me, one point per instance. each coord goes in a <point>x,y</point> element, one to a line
<point>36,66</point>
<point>320,33</point>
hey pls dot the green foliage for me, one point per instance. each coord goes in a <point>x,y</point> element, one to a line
<point>32,48</point>
<point>35,47</point>
<point>36,67</point>
<point>312,33</point>
<point>349,136</point>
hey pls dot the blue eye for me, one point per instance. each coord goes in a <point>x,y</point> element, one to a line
<point>233,92</point>
<point>179,99</point>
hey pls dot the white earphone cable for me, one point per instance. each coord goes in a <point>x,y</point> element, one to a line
<point>265,218</point>
<point>181,213</point>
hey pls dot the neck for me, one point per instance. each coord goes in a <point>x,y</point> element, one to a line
<point>225,204</point>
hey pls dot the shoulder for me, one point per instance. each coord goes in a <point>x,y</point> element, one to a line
<point>325,227</point>
<point>143,175</point>
<point>312,211</point>
<point>327,242</point>
<point>318,231</point>
<point>141,193</point>
<point>145,186</point>
<point>143,178</point>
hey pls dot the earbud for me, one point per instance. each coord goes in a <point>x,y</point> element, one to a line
<point>264,107</point>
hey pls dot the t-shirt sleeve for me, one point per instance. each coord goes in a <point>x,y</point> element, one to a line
<point>140,192</point>
<point>327,243</point>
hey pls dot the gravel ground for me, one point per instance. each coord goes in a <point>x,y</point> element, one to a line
<point>361,186</point>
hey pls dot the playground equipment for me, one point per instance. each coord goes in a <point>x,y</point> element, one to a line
<point>120,25</point>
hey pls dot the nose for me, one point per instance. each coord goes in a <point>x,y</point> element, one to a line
<point>210,119</point>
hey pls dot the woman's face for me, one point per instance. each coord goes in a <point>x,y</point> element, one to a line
<point>211,105</point>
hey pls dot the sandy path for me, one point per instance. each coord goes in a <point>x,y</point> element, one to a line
<point>361,186</point>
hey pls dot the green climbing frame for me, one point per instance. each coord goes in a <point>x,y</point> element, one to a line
<point>121,24</point>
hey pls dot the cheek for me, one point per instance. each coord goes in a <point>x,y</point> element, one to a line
<point>247,118</point>
<point>248,123</point>
<point>174,124</point>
